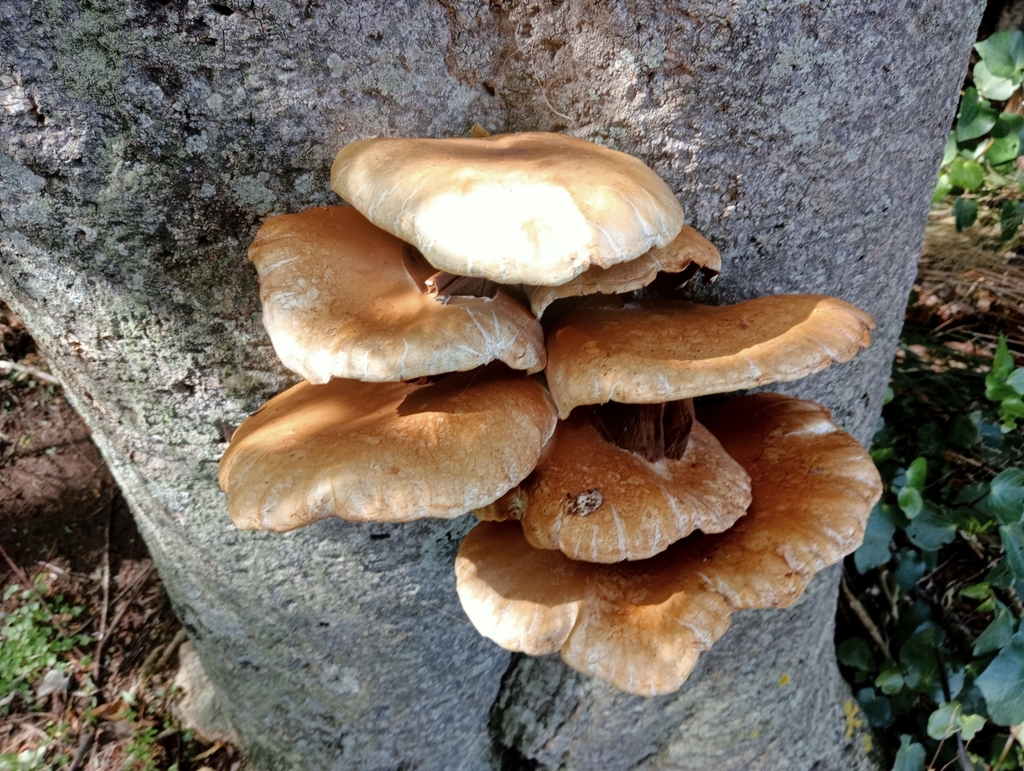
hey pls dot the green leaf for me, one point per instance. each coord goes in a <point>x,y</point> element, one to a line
<point>910,756</point>
<point>942,188</point>
<point>1007,123</point>
<point>951,148</point>
<point>922,666</point>
<point>972,493</point>
<point>1002,683</point>
<point>890,679</point>
<point>997,390</point>
<point>976,118</point>
<point>1003,53</point>
<point>1013,542</point>
<point>1003,150</point>
<point>930,531</point>
<point>965,212</point>
<point>875,549</point>
<point>910,569</point>
<point>992,86</point>
<point>856,653</point>
<point>1016,378</point>
<point>916,474</point>
<point>1010,216</point>
<point>970,725</point>
<point>910,502</point>
<point>996,634</point>
<point>980,591</point>
<point>967,174</point>
<point>1005,499</point>
<point>1002,363</point>
<point>877,709</point>
<point>942,722</point>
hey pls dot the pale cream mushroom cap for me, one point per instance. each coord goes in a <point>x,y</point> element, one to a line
<point>597,502</point>
<point>529,208</point>
<point>385,452</point>
<point>686,249</point>
<point>641,625</point>
<point>663,350</point>
<point>340,301</point>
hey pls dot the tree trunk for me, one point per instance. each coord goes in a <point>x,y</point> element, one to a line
<point>143,142</point>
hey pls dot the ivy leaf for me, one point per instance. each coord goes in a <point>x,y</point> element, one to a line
<point>856,653</point>
<point>1002,683</point>
<point>910,756</point>
<point>875,549</point>
<point>1016,378</point>
<point>890,679</point>
<point>1005,499</point>
<point>1012,214</point>
<point>971,494</point>
<point>1013,542</point>
<point>942,188</point>
<point>976,118</point>
<point>965,211</point>
<point>970,725</point>
<point>910,570</point>
<point>996,634</point>
<point>1003,53</point>
<point>943,721</point>
<point>916,474</point>
<point>910,501</point>
<point>918,656</point>
<point>1007,123</point>
<point>966,173</point>
<point>877,709</point>
<point>992,86</point>
<point>930,531</point>
<point>1002,363</point>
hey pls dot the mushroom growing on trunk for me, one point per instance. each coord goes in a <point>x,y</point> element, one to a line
<point>528,208</point>
<point>343,298</point>
<point>642,625</point>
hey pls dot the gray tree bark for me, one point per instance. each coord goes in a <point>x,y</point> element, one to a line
<point>141,144</point>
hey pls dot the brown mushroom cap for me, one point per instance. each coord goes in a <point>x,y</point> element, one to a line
<point>516,208</point>
<point>641,625</point>
<point>596,502</point>
<point>385,452</point>
<point>664,350</point>
<point>339,301</point>
<point>687,249</point>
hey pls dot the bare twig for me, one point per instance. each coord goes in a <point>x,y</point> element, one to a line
<point>961,752</point>
<point>169,650</point>
<point>101,644</point>
<point>865,619</point>
<point>38,374</point>
<point>97,663</point>
<point>158,657</point>
<point>84,745</point>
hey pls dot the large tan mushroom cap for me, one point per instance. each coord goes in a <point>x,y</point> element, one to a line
<point>813,485</point>
<point>687,249</point>
<point>340,301</point>
<point>665,350</point>
<point>641,625</point>
<point>516,208</point>
<point>596,502</point>
<point>385,452</point>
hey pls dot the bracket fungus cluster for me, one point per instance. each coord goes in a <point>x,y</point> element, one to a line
<point>622,522</point>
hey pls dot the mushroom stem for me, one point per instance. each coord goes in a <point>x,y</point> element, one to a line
<point>653,431</point>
